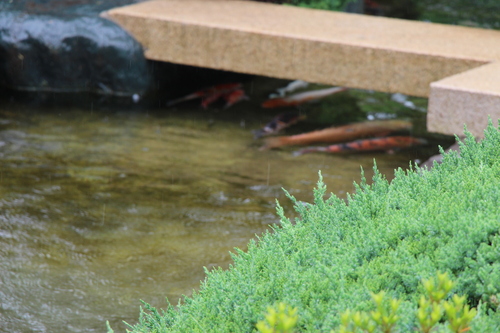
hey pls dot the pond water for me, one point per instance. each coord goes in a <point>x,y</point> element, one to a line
<point>102,208</point>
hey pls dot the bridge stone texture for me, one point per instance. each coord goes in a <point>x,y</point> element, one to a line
<point>458,68</point>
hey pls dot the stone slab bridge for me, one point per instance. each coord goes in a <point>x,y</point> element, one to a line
<point>458,68</point>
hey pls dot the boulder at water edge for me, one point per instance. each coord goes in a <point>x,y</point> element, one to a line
<point>64,46</point>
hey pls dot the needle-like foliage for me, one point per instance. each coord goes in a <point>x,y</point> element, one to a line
<point>386,236</point>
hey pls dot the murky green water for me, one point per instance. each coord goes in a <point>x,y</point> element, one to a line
<point>100,209</point>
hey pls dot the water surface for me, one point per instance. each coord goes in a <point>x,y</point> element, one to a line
<point>100,209</point>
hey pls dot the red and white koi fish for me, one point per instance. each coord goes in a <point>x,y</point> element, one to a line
<point>301,98</point>
<point>375,144</point>
<point>374,128</point>
<point>209,99</point>
<point>234,97</point>
<point>211,94</point>
<point>280,122</point>
<point>231,97</point>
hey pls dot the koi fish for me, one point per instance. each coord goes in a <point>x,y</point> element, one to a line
<point>301,98</point>
<point>374,128</point>
<point>209,94</point>
<point>231,98</point>
<point>280,122</point>
<point>291,87</point>
<point>234,97</point>
<point>375,144</point>
<point>209,99</point>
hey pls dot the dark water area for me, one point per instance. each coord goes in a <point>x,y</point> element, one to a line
<point>473,13</point>
<point>103,207</point>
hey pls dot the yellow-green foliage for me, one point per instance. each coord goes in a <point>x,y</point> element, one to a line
<point>432,308</point>
<point>384,317</point>
<point>386,236</point>
<point>279,319</point>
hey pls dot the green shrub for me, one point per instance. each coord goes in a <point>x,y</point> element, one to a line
<point>385,237</point>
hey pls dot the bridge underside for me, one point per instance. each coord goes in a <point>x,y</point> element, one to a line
<point>458,68</point>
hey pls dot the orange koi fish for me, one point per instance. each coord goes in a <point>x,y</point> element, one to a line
<point>209,95</point>
<point>280,122</point>
<point>374,128</point>
<point>301,98</point>
<point>375,144</point>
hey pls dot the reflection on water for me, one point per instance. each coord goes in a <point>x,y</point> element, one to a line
<point>101,209</point>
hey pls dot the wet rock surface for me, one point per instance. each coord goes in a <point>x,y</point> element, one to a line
<point>438,158</point>
<point>64,46</point>
<point>63,7</point>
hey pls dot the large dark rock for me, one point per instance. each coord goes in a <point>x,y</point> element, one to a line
<point>63,7</point>
<point>64,46</point>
